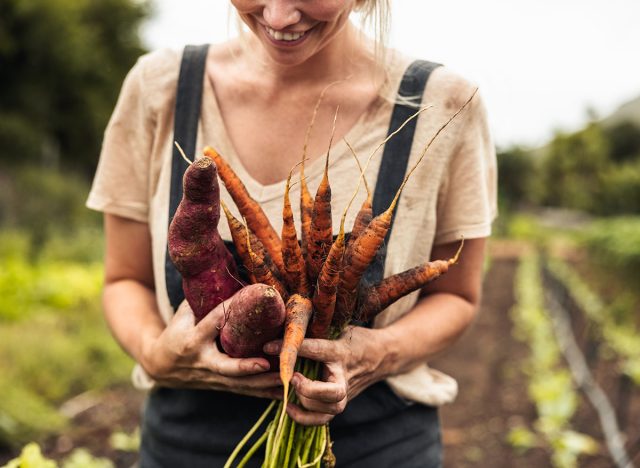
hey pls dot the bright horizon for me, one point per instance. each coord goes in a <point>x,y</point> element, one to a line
<point>540,65</point>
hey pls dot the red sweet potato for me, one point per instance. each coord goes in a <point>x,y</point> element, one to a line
<point>195,247</point>
<point>255,316</point>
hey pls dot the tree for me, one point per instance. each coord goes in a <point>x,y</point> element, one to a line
<point>572,168</point>
<point>516,172</point>
<point>63,62</point>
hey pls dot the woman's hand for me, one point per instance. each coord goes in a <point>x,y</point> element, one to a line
<point>185,354</point>
<point>351,364</point>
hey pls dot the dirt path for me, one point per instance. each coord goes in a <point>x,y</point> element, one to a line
<point>493,395</point>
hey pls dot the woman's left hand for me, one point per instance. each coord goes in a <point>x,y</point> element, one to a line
<point>351,363</point>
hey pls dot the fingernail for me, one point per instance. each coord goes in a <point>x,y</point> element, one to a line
<point>261,367</point>
<point>270,348</point>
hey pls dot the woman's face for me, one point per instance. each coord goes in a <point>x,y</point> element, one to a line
<point>292,31</point>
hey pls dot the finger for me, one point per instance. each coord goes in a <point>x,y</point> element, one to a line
<point>307,418</point>
<point>322,407</point>
<point>267,381</point>
<point>273,347</point>
<point>320,350</point>
<point>330,392</point>
<point>236,367</point>
<point>184,313</point>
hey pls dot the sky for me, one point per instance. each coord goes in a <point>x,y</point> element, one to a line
<point>540,65</point>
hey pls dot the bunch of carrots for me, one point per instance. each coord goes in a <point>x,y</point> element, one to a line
<point>319,281</point>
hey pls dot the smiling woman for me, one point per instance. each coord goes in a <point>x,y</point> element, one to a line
<point>252,98</point>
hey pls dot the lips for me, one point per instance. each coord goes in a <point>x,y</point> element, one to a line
<point>286,38</point>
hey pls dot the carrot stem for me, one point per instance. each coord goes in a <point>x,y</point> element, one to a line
<point>248,435</point>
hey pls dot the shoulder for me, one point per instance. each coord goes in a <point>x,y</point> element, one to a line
<point>446,91</point>
<point>155,75</point>
<point>449,91</point>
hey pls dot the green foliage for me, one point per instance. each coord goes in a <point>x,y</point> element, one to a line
<point>624,140</point>
<point>618,330</point>
<point>522,439</point>
<point>596,170</point>
<point>615,245</point>
<point>31,457</point>
<point>82,458</point>
<point>28,288</point>
<point>550,385</point>
<point>571,167</point>
<point>63,62</point>
<point>46,204</point>
<point>126,442</point>
<point>53,341</point>
<point>620,190</point>
<point>517,171</point>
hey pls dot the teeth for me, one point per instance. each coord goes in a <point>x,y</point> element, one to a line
<point>287,36</point>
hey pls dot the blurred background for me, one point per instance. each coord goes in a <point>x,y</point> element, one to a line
<point>549,373</point>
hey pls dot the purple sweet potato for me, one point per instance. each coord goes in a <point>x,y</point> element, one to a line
<point>255,316</point>
<point>199,254</point>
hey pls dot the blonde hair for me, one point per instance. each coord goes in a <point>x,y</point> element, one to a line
<point>376,15</point>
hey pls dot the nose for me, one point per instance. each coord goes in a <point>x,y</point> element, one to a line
<point>280,14</point>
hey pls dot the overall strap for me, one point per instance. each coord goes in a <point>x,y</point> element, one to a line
<point>396,152</point>
<point>185,132</point>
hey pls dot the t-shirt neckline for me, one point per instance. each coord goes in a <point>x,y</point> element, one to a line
<point>214,125</point>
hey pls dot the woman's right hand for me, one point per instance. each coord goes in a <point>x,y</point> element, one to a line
<point>185,354</point>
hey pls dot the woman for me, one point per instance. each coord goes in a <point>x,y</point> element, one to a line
<point>258,92</point>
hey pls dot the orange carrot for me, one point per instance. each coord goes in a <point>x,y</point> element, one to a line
<point>239,236</point>
<point>298,312</point>
<point>294,266</point>
<point>306,201</point>
<point>380,296</point>
<point>324,297</point>
<point>260,266</point>
<point>368,243</point>
<point>250,209</point>
<point>321,234</point>
<point>363,218</point>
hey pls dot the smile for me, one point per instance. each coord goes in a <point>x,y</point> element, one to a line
<point>284,36</point>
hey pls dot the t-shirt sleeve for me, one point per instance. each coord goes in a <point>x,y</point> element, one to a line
<point>467,200</point>
<point>121,182</point>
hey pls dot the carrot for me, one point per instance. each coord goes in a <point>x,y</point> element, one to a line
<point>321,234</point>
<point>260,266</point>
<point>324,297</point>
<point>364,216</point>
<point>295,273</point>
<point>366,246</point>
<point>380,296</point>
<point>306,201</point>
<point>298,312</point>
<point>239,236</point>
<point>256,218</point>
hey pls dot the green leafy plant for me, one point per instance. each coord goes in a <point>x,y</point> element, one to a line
<point>550,385</point>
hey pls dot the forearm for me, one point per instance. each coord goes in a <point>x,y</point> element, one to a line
<point>132,315</point>
<point>433,325</point>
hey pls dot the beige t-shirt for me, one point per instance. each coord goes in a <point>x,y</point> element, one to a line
<point>451,194</point>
